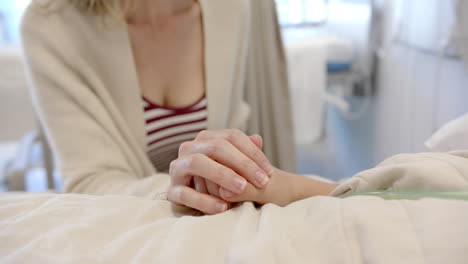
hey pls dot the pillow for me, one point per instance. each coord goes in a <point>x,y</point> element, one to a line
<point>451,137</point>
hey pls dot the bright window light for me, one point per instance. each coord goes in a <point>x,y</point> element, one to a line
<point>291,13</point>
<point>300,12</point>
<point>10,16</point>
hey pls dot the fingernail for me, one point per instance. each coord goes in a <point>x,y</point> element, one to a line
<point>221,207</point>
<point>227,194</point>
<point>261,178</point>
<point>240,183</point>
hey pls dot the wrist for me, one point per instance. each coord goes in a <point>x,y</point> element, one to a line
<point>285,188</point>
<point>278,189</point>
<point>304,187</point>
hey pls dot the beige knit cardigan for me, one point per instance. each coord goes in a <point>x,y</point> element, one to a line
<point>85,90</point>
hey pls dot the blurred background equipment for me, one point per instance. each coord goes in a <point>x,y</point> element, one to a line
<point>23,165</point>
<point>406,80</point>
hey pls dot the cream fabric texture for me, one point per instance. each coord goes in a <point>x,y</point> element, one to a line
<point>85,90</point>
<point>70,228</point>
<point>451,137</point>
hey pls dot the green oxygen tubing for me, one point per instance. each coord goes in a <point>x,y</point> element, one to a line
<point>412,195</point>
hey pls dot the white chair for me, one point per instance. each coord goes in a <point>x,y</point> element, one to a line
<point>21,146</point>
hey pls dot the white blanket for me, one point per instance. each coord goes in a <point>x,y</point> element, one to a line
<point>52,228</point>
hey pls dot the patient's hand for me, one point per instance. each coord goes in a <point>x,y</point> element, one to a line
<point>284,188</point>
<point>278,191</point>
<point>226,159</point>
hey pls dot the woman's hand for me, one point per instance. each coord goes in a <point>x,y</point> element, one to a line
<point>226,159</point>
<point>209,187</point>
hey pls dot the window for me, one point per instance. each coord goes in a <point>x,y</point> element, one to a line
<point>302,12</point>
<point>10,16</point>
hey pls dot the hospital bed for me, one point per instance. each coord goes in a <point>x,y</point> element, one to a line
<point>356,225</point>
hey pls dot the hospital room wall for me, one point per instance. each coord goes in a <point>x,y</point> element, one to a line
<point>417,92</point>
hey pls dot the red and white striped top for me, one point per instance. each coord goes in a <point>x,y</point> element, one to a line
<point>167,128</point>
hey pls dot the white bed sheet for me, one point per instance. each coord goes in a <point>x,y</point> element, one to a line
<point>52,228</point>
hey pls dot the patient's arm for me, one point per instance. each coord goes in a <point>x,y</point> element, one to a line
<point>206,174</point>
<point>284,188</point>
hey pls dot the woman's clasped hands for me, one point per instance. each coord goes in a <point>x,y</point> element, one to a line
<point>220,167</point>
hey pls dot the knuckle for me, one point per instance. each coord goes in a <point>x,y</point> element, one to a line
<point>234,134</point>
<point>237,132</point>
<point>185,148</point>
<point>181,196</point>
<point>216,146</point>
<point>224,143</point>
<point>202,134</point>
<point>170,195</point>
<point>231,137</point>
<point>176,195</point>
<point>212,149</point>
<point>195,159</point>
<point>173,167</point>
<point>220,142</point>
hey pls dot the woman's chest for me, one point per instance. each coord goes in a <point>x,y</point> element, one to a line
<point>170,63</point>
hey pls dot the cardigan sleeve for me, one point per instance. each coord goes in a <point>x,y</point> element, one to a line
<point>86,144</point>
<point>267,88</point>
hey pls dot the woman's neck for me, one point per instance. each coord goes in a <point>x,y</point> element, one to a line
<point>155,11</point>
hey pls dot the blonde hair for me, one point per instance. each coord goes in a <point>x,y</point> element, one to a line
<point>115,8</point>
<point>103,7</point>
